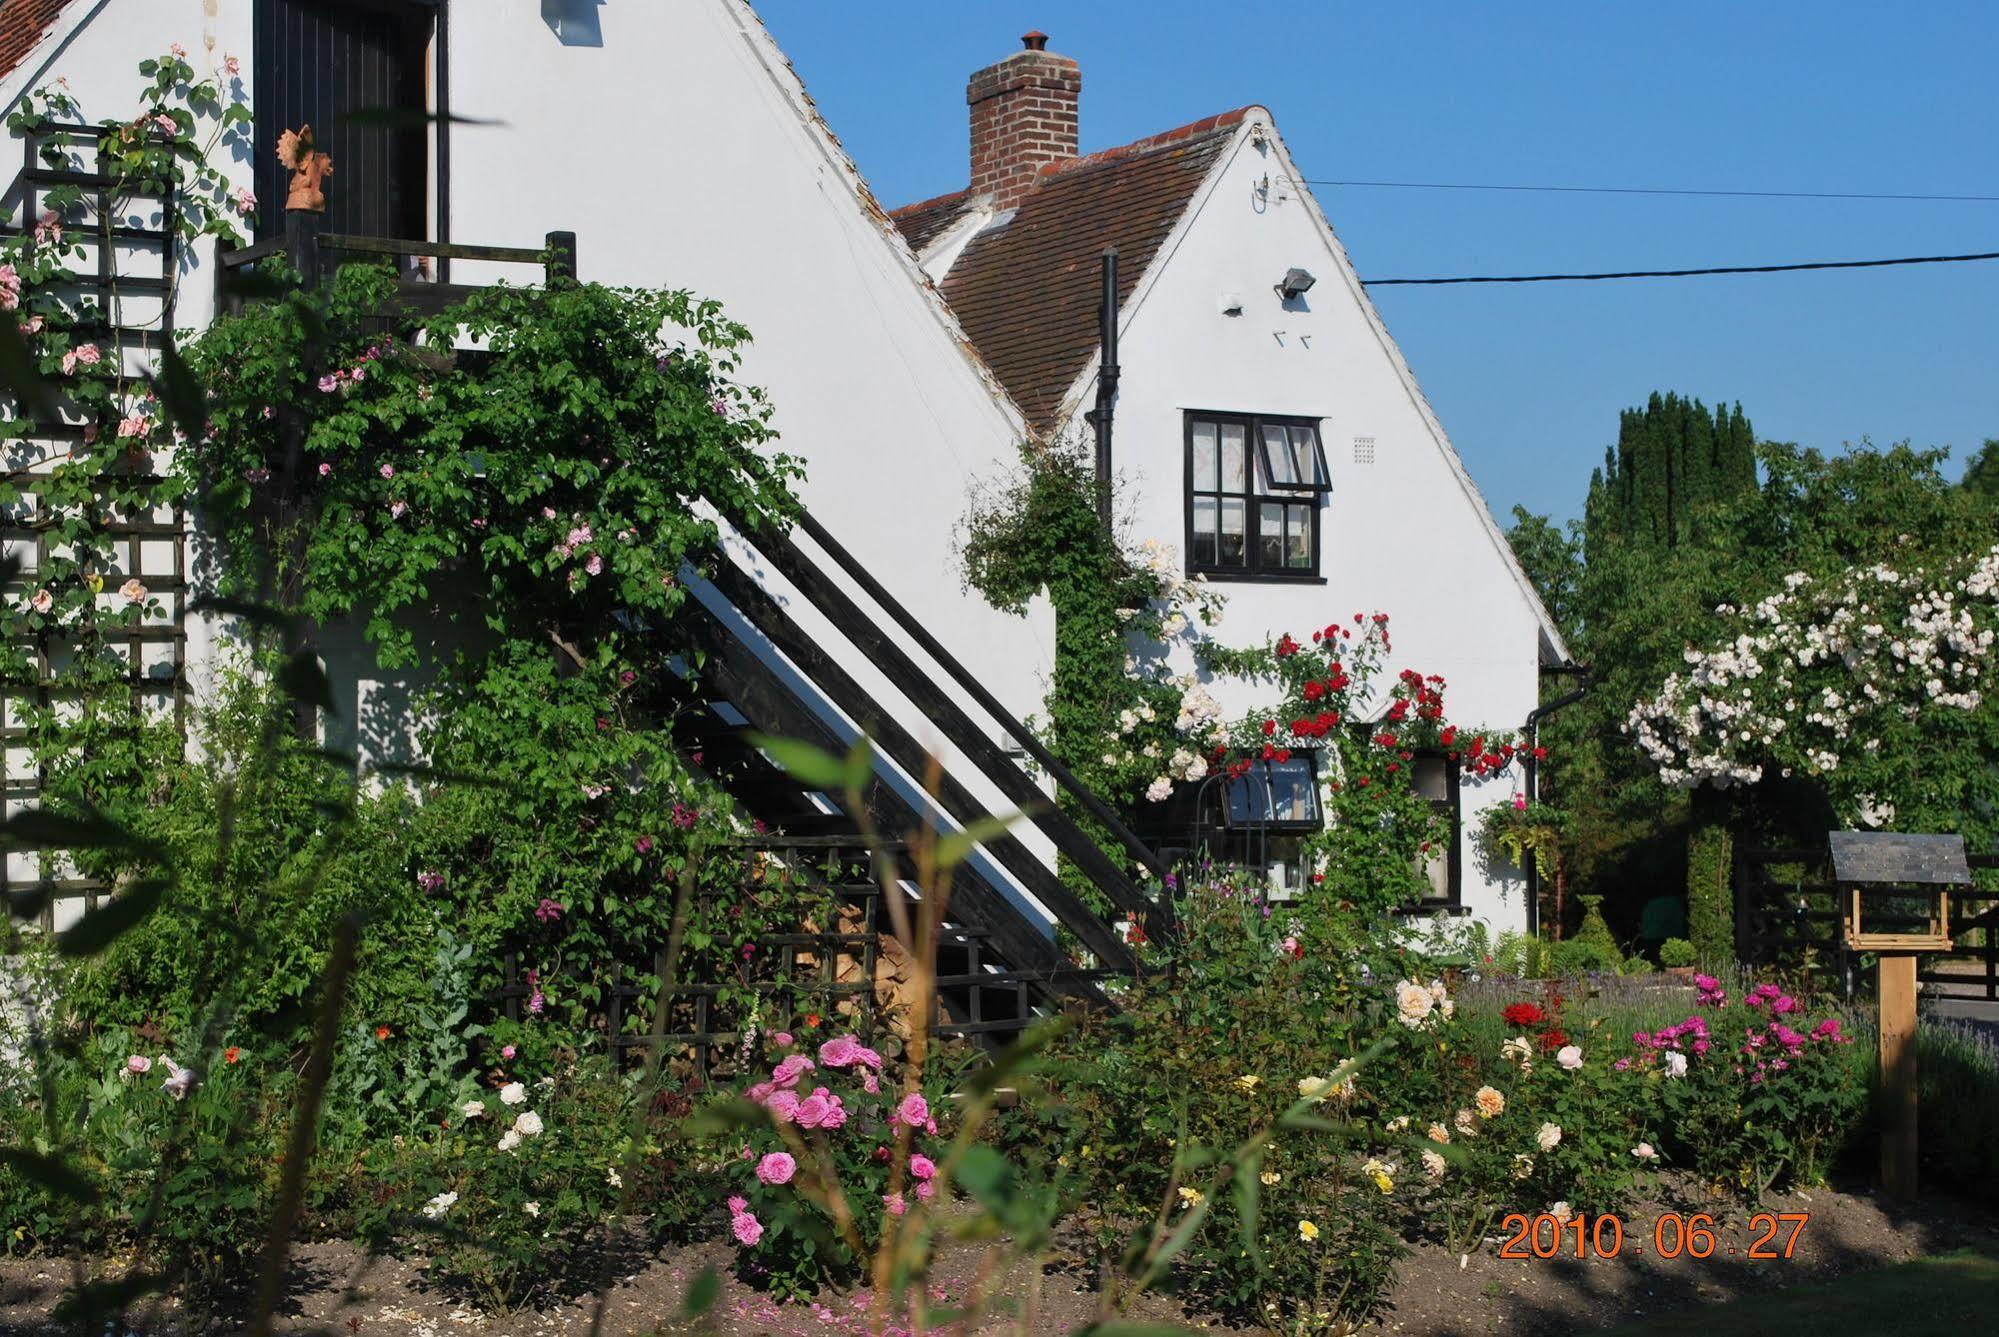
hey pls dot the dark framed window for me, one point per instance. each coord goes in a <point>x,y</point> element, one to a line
<point>1435,778</point>
<point>1275,796</point>
<point>1253,489</point>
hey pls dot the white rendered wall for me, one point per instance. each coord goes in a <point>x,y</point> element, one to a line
<point>671,139</point>
<point>1400,536</point>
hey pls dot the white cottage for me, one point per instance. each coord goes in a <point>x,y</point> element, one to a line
<point>1239,319</point>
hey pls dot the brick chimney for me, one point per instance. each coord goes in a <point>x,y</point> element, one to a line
<point>1023,118</point>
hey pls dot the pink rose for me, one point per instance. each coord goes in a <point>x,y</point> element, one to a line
<point>789,1070</point>
<point>893,1201</point>
<point>922,1167</point>
<point>776,1168</point>
<point>737,1206</point>
<point>747,1228</point>
<point>783,1105</point>
<point>925,1191</point>
<point>782,1039</point>
<point>914,1110</point>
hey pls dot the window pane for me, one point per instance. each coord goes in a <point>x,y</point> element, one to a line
<point>1305,451</point>
<point>1204,531</point>
<point>1283,468</point>
<point>1298,536</point>
<point>1234,539</point>
<point>1270,534</point>
<point>1235,473</point>
<point>1294,797</point>
<point>1435,868</point>
<point>1204,457</point>
<point>1432,779</point>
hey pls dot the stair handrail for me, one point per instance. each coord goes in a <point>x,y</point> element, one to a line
<point>972,687</point>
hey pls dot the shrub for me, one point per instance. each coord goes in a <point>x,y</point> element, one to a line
<point>1710,897</point>
<point>1579,956</point>
<point>1677,953</point>
<point>832,1146</point>
<point>1756,1113</point>
<point>1141,1110</point>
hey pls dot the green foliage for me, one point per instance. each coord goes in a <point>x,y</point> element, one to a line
<point>1519,832</point>
<point>1678,953</point>
<point>1110,719</point>
<point>1379,830</point>
<point>1141,1110</point>
<point>1672,463</point>
<point>1711,892</point>
<point>1552,559</point>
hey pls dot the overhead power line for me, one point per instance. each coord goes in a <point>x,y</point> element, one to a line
<point>1685,273</point>
<point>1659,190</point>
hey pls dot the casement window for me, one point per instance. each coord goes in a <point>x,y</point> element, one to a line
<point>1266,813</point>
<point>1435,778</point>
<point>1254,483</point>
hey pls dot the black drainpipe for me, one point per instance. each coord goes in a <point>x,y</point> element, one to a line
<point>1107,378</point>
<point>1531,732</point>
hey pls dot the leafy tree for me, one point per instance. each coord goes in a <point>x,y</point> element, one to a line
<point>1553,560</point>
<point>1981,473</point>
<point>1673,460</point>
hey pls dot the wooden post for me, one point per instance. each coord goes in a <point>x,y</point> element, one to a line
<point>561,266</point>
<point>1898,1073</point>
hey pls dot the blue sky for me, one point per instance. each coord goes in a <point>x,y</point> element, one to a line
<point>1529,379</point>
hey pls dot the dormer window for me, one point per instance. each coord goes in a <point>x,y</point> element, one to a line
<point>1253,489</point>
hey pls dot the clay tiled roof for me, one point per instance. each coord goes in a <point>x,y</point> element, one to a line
<point>22,23</point>
<point>1025,288</point>
<point>923,222</point>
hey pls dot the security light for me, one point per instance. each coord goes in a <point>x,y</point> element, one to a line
<point>1296,283</point>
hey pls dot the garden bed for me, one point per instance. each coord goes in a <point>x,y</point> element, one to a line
<point>337,1287</point>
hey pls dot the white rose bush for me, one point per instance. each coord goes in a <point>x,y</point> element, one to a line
<point>1873,685</point>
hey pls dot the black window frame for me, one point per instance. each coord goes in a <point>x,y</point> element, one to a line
<point>1260,769</point>
<point>1308,497</point>
<point>1451,809</point>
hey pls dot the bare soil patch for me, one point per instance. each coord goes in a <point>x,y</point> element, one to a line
<point>340,1290</point>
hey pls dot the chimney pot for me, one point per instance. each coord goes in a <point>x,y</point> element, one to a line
<point>1034,40</point>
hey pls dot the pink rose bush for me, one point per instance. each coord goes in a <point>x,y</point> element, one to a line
<point>833,1140</point>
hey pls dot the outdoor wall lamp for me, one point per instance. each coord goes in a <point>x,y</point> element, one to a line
<point>1295,283</point>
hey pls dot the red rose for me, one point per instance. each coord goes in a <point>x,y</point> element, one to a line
<point>1554,1039</point>
<point>1269,728</point>
<point>1314,690</point>
<point>1523,1014</point>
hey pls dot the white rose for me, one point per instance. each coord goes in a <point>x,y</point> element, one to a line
<point>1676,1063</point>
<point>527,1123</point>
<point>474,1109</point>
<point>1644,1152</point>
<point>1549,1137</point>
<point>1561,1211</point>
<point>1413,1002</point>
<point>1434,1165</point>
<point>1570,1057</point>
<point>513,1093</point>
<point>509,1140</point>
<point>531,1208</point>
<point>439,1205</point>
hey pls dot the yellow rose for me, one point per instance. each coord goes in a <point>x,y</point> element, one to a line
<point>1308,1232</point>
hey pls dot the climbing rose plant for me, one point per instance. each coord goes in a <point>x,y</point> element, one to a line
<point>1872,684</point>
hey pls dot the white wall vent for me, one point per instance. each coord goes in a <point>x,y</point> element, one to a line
<point>1363,450</point>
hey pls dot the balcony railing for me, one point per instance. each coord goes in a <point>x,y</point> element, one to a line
<point>308,250</point>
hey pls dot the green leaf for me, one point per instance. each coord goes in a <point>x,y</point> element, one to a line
<point>106,924</point>
<point>805,763</point>
<point>953,846</point>
<point>47,828</point>
<point>1248,1192</point>
<point>181,394</point>
<point>19,374</point>
<point>701,1296</point>
<point>408,118</point>
<point>50,1173</point>
<point>986,1175</point>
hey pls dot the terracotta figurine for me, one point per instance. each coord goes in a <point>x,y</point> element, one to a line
<point>309,168</point>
